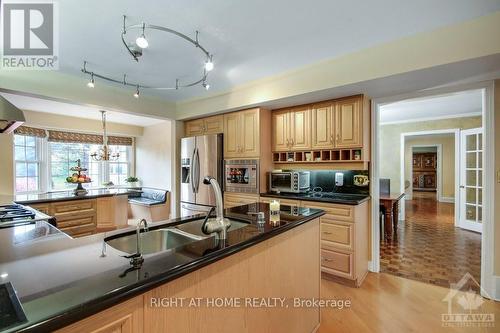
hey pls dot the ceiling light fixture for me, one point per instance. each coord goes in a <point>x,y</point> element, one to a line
<point>104,153</point>
<point>135,50</point>
<point>91,83</point>
<point>209,65</point>
<point>141,41</point>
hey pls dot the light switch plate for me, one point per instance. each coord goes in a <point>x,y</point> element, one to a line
<point>339,179</point>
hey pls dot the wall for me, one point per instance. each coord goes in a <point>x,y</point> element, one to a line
<point>496,216</point>
<point>390,142</point>
<point>154,153</point>
<point>447,164</point>
<point>46,120</point>
<point>464,41</point>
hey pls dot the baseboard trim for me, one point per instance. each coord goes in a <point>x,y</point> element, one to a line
<point>447,199</point>
<point>496,295</point>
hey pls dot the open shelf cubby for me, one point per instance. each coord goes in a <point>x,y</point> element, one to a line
<point>315,156</point>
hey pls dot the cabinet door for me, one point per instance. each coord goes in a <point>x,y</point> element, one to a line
<point>193,127</point>
<point>232,135</point>
<point>300,128</point>
<point>348,123</point>
<point>250,135</point>
<point>214,125</point>
<point>322,126</point>
<point>430,181</point>
<point>280,131</point>
<point>417,161</point>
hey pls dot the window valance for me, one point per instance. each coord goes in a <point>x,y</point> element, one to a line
<point>61,136</point>
<point>30,131</point>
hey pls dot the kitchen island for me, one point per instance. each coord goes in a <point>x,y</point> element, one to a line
<point>81,215</point>
<point>85,285</point>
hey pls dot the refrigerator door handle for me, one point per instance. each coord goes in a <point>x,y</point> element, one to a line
<point>197,170</point>
<point>191,171</point>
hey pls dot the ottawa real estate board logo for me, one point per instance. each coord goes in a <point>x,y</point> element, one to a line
<point>30,35</point>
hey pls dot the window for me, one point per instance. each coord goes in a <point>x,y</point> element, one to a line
<point>27,156</point>
<point>63,156</point>
<point>119,170</point>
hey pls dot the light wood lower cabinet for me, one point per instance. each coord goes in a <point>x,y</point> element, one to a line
<point>43,207</point>
<point>239,199</point>
<point>344,240</point>
<point>288,202</point>
<point>126,317</point>
<point>76,217</point>
<point>286,266</point>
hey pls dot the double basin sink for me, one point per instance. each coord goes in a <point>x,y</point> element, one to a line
<point>166,238</point>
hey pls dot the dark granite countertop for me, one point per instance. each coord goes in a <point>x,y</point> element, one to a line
<point>27,199</point>
<point>63,280</point>
<point>340,198</point>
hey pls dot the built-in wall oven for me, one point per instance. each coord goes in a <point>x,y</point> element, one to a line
<point>241,176</point>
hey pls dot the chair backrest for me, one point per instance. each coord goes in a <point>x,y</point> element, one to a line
<point>385,186</point>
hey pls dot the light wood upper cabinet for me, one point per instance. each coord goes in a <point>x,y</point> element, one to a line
<point>300,128</point>
<point>291,129</point>
<point>250,134</point>
<point>322,129</point>
<point>349,123</point>
<point>280,130</point>
<point>214,125</point>
<point>204,126</point>
<point>242,134</point>
<point>232,135</point>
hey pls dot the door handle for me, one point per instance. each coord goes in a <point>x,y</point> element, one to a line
<point>197,170</point>
<point>191,171</point>
<point>461,186</point>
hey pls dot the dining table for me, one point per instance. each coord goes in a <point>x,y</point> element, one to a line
<point>390,202</point>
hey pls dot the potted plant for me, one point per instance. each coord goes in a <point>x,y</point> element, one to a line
<point>132,181</point>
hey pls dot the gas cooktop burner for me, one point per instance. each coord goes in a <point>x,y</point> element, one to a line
<point>10,213</point>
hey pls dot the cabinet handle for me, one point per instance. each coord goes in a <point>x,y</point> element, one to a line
<point>292,142</point>
<point>331,138</point>
<point>327,260</point>
<point>338,137</point>
<point>287,143</point>
<point>327,233</point>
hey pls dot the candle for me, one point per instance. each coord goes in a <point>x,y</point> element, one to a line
<point>274,207</point>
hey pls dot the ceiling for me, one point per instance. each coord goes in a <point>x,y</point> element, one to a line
<point>249,39</point>
<point>74,110</point>
<point>455,105</point>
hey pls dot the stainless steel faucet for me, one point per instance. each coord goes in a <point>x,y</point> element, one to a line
<point>136,259</point>
<point>219,224</point>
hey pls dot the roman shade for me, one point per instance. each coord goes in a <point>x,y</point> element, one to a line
<point>120,141</point>
<point>30,131</point>
<point>62,136</point>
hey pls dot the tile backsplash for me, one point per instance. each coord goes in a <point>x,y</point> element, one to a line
<point>326,180</point>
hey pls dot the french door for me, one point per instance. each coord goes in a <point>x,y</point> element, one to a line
<point>471,179</point>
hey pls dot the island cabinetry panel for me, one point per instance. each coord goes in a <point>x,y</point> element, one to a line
<point>76,217</point>
<point>344,240</point>
<point>204,126</point>
<point>127,317</point>
<point>239,199</point>
<point>284,266</point>
<point>43,207</point>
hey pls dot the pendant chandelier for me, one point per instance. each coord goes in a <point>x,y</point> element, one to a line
<point>135,49</point>
<point>104,153</point>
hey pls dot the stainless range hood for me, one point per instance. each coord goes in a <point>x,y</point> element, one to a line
<point>10,116</point>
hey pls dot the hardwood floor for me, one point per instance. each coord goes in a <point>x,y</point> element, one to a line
<point>387,303</point>
<point>428,247</point>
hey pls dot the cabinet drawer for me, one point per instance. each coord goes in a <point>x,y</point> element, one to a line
<point>80,226</point>
<point>333,211</point>
<point>72,206</point>
<point>76,222</point>
<point>234,200</point>
<point>44,208</point>
<point>337,235</point>
<point>287,202</point>
<point>337,263</point>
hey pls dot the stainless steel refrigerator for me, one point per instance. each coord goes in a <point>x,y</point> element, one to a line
<point>201,156</point>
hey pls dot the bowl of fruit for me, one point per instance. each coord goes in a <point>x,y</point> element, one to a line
<point>79,177</point>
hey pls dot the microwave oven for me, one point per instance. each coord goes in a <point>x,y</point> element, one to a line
<point>289,181</point>
<point>241,176</point>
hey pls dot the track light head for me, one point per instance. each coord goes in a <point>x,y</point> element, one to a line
<point>209,65</point>
<point>136,94</point>
<point>91,83</point>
